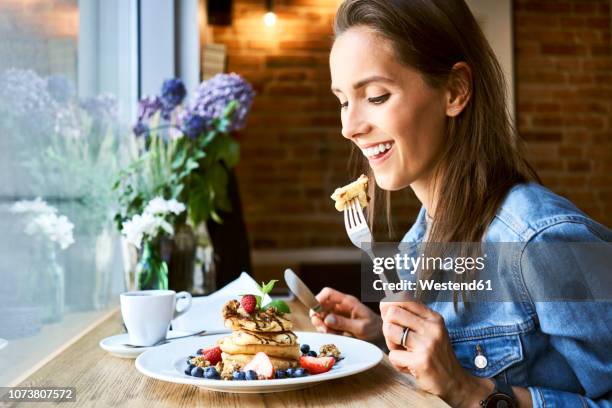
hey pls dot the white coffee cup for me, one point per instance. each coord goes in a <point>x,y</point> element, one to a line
<point>147,314</point>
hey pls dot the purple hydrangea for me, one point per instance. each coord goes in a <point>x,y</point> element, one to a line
<point>140,129</point>
<point>60,88</point>
<point>172,94</point>
<point>193,125</point>
<point>24,92</point>
<point>147,107</point>
<point>102,107</point>
<point>212,97</point>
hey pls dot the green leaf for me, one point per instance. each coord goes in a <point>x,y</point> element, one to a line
<point>230,151</point>
<point>215,217</point>
<point>230,108</point>
<point>200,200</point>
<point>257,302</point>
<point>267,287</point>
<point>279,305</point>
<point>179,159</point>
<point>209,138</point>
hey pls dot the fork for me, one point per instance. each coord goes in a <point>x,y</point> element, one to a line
<point>360,235</point>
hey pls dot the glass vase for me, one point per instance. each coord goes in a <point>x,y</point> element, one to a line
<point>51,289</point>
<point>204,265</point>
<point>189,257</point>
<point>152,270</point>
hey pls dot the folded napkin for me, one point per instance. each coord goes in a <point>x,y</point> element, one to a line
<point>205,311</point>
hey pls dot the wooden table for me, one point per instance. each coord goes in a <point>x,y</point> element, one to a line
<point>102,380</point>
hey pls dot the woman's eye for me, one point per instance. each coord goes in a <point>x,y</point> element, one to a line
<point>343,105</point>
<point>377,100</point>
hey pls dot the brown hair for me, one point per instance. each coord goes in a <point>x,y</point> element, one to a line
<point>482,156</point>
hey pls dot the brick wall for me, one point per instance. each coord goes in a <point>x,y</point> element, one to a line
<point>293,155</point>
<point>564,100</point>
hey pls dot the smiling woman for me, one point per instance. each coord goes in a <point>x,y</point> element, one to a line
<point>422,95</point>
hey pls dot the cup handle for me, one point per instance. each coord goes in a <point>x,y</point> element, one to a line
<point>182,295</point>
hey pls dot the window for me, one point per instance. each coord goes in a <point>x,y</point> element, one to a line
<point>68,88</point>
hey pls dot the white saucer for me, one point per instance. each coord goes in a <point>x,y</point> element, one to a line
<point>115,345</point>
<point>3,343</point>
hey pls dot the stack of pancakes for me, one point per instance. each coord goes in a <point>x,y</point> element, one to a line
<point>261,331</point>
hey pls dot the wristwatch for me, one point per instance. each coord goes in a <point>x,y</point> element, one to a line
<point>502,396</point>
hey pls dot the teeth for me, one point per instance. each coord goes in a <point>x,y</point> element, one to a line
<point>373,151</point>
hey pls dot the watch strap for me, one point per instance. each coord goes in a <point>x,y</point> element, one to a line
<point>504,388</point>
<point>502,396</point>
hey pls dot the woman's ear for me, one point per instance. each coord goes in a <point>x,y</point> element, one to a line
<point>458,89</point>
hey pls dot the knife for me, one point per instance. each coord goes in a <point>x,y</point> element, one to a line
<point>301,291</point>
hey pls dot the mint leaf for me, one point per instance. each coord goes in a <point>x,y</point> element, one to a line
<point>267,287</point>
<point>279,305</point>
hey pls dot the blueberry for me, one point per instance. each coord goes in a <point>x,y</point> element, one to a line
<point>199,352</point>
<point>211,373</point>
<point>251,375</point>
<point>299,372</point>
<point>197,372</point>
<point>189,368</point>
<point>305,348</point>
<point>289,372</point>
<point>239,375</point>
<point>312,353</point>
<point>281,374</point>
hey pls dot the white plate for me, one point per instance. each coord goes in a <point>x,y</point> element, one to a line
<point>3,343</point>
<point>116,344</point>
<point>168,362</point>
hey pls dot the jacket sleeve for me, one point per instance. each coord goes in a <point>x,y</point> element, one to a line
<point>563,272</point>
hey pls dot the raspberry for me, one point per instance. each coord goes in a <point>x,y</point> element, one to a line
<point>213,355</point>
<point>248,303</point>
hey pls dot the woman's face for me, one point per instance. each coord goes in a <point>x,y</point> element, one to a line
<point>387,109</point>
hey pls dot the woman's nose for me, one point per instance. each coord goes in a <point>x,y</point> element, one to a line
<point>354,124</point>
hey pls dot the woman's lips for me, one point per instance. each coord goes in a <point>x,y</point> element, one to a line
<point>381,157</point>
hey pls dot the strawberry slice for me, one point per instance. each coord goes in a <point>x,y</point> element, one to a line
<point>261,364</point>
<point>317,365</point>
<point>212,354</point>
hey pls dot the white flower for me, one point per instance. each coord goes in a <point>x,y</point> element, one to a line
<point>56,228</point>
<point>175,207</point>
<point>43,220</point>
<point>133,231</point>
<point>156,206</point>
<point>159,206</point>
<point>62,232</point>
<point>146,225</point>
<point>37,206</point>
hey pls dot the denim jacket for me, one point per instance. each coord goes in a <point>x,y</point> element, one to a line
<point>561,351</point>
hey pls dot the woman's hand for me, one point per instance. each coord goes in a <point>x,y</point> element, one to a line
<point>345,313</point>
<point>429,355</point>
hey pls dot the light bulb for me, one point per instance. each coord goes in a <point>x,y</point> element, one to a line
<point>269,18</point>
